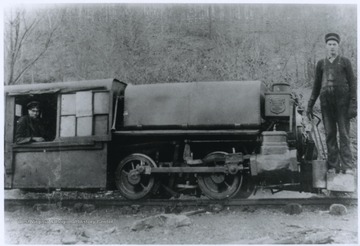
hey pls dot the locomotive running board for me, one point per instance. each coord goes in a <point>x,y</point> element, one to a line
<point>185,132</point>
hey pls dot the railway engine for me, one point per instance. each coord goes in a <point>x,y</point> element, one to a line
<point>218,139</point>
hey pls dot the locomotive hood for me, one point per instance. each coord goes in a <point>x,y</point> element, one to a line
<point>196,105</point>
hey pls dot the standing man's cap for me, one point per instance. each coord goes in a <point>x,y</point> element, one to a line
<point>332,36</point>
<point>33,104</point>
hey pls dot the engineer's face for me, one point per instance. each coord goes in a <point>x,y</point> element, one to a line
<point>332,47</point>
<point>34,113</point>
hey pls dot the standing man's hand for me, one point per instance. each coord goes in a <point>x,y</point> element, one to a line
<point>309,113</point>
<point>310,105</point>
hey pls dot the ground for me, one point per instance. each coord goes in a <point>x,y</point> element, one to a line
<point>230,225</point>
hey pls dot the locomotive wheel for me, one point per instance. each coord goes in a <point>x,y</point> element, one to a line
<point>131,183</point>
<point>219,185</point>
<point>247,188</point>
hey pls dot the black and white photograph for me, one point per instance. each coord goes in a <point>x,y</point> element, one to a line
<point>179,122</point>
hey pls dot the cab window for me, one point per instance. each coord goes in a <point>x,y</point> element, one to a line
<point>84,113</point>
<point>48,111</point>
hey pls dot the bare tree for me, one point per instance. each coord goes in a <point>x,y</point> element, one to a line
<point>18,31</point>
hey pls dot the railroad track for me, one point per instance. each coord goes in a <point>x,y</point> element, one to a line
<point>103,203</point>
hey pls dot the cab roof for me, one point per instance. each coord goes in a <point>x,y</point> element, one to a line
<point>101,84</point>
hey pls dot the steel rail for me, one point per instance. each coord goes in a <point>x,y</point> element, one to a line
<point>183,202</point>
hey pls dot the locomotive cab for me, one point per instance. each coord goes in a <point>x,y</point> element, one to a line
<point>77,118</point>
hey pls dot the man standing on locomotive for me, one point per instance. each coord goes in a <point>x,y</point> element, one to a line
<point>336,85</point>
<point>29,128</point>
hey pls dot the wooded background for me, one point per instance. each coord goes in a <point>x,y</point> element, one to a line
<point>157,43</point>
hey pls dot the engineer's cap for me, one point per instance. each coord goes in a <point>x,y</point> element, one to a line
<point>332,36</point>
<point>33,104</point>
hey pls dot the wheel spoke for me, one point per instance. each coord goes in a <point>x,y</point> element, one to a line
<point>218,188</point>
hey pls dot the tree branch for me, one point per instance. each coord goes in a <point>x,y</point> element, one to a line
<point>23,37</point>
<point>37,58</point>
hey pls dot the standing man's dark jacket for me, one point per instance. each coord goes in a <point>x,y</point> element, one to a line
<point>340,74</point>
<point>28,128</point>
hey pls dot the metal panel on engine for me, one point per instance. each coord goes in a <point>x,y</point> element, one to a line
<point>277,104</point>
<point>235,104</point>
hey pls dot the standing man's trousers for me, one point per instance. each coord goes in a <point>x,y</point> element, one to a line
<point>334,102</point>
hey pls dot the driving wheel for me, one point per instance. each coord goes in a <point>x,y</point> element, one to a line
<point>247,188</point>
<point>218,185</point>
<point>130,178</point>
